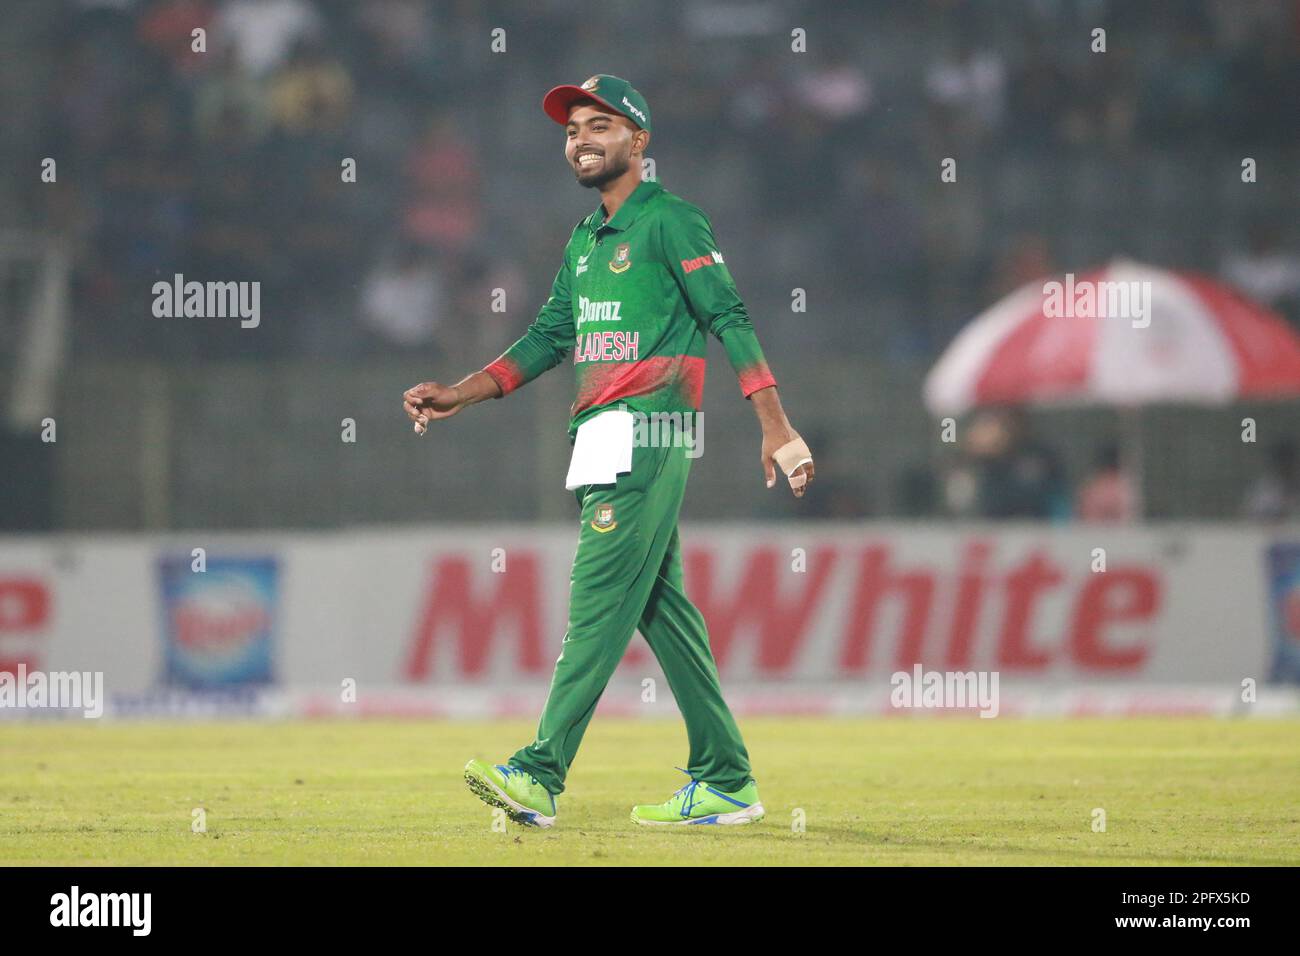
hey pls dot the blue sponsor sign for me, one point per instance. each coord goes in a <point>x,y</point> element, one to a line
<point>218,624</point>
<point>1284,602</point>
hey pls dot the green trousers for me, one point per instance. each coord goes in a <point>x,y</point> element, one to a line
<point>627,575</point>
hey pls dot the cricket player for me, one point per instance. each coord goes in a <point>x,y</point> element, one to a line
<point>642,286</point>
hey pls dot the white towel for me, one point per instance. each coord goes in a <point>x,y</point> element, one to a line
<point>602,450</point>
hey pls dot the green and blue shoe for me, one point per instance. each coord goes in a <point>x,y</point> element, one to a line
<point>515,791</point>
<point>697,803</point>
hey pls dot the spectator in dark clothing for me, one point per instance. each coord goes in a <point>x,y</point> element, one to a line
<point>1275,495</point>
<point>1014,474</point>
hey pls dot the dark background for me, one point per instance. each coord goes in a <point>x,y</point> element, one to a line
<point>820,171</point>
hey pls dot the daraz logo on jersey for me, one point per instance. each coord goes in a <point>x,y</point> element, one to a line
<point>589,311</point>
<point>713,258</point>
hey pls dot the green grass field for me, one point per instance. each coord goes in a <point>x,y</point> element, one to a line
<point>905,791</point>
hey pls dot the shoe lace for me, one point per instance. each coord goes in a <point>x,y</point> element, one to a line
<point>687,793</point>
<point>507,770</point>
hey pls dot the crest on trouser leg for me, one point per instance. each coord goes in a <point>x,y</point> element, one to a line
<point>604,519</point>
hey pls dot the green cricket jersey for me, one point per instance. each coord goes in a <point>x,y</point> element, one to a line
<point>635,301</point>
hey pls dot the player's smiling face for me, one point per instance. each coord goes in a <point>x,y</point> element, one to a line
<point>599,144</point>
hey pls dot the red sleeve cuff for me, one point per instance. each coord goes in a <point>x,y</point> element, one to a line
<point>506,374</point>
<point>752,379</point>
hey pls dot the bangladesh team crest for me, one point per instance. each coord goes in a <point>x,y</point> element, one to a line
<point>604,519</point>
<point>620,262</point>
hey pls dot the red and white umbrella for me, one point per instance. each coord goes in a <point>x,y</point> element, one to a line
<point>1126,335</point>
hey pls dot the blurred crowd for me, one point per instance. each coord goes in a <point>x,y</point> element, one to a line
<point>1002,470</point>
<point>820,170</point>
<point>227,163</point>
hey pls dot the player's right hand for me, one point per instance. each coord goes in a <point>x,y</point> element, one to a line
<point>429,402</point>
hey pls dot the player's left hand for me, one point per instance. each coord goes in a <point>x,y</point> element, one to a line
<point>788,451</point>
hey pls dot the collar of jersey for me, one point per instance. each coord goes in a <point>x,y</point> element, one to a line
<point>627,212</point>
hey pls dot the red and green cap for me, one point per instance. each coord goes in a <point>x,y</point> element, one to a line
<point>609,91</point>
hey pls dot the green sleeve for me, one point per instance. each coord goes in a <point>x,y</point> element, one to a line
<point>547,340</point>
<point>693,258</point>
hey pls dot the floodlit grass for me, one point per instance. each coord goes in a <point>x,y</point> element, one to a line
<point>884,791</point>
